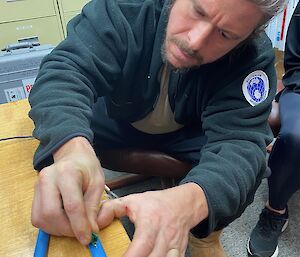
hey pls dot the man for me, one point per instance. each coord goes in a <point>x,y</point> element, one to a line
<point>183,77</point>
<point>285,177</point>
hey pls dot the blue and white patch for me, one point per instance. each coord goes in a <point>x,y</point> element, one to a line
<point>256,87</point>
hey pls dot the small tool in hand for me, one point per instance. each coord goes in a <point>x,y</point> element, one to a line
<point>96,247</point>
<point>110,193</point>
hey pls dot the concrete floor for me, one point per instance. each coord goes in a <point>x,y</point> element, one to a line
<point>235,236</point>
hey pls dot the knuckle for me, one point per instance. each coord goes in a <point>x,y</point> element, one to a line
<point>97,181</point>
<point>92,208</point>
<point>35,220</point>
<point>48,214</point>
<point>64,167</point>
<point>38,219</point>
<point>43,179</point>
<point>73,207</point>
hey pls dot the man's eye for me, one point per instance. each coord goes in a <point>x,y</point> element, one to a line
<point>199,13</point>
<point>224,34</point>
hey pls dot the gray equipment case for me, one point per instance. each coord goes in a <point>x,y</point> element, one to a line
<point>19,65</point>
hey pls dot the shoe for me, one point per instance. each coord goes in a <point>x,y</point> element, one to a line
<point>207,247</point>
<point>263,240</point>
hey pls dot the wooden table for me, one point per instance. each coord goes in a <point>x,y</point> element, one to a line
<point>17,178</point>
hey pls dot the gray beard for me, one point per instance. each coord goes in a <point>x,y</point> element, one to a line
<point>172,67</point>
<point>163,48</point>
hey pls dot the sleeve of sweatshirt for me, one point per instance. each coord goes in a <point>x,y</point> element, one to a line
<point>291,78</point>
<point>233,160</point>
<point>89,63</point>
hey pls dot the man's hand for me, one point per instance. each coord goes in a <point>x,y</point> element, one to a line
<point>162,219</point>
<point>67,193</point>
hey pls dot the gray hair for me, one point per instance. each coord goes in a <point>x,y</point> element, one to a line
<point>270,8</point>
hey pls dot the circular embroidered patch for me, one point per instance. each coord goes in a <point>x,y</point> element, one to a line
<point>256,87</point>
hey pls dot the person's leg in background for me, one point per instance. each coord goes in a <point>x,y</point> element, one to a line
<point>283,182</point>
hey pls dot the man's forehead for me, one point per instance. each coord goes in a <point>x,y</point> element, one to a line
<point>235,16</point>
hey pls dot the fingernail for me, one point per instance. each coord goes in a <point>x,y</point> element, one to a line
<point>85,239</point>
<point>173,253</point>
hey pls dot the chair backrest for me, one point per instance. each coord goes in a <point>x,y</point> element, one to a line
<point>150,163</point>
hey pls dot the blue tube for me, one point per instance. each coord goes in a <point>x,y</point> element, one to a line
<point>96,249</point>
<point>42,243</point>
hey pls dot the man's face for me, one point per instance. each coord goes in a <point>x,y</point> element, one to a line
<point>202,31</point>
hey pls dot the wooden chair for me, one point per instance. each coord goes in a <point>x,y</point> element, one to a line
<point>144,164</point>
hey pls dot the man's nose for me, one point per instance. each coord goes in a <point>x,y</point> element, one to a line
<point>199,34</point>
